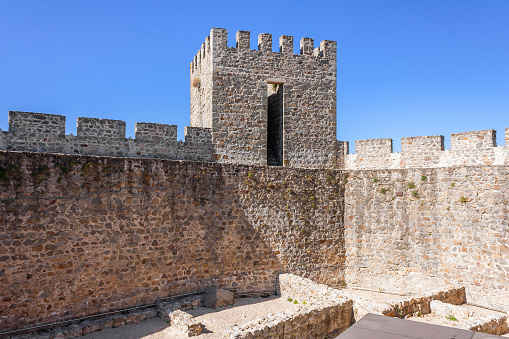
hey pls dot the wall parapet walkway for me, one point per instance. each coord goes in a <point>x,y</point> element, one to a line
<point>38,132</point>
<point>467,149</point>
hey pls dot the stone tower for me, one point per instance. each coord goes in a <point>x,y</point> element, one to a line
<point>265,107</point>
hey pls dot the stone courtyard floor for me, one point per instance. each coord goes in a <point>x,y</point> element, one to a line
<point>215,322</point>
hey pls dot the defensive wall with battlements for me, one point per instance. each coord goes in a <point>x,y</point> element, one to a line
<point>36,132</point>
<point>260,186</point>
<point>467,148</point>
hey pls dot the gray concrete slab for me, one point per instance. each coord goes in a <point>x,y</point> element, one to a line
<point>382,327</point>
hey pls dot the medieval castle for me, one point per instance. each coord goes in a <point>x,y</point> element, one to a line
<point>260,186</point>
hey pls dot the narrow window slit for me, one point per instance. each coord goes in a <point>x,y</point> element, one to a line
<point>274,124</point>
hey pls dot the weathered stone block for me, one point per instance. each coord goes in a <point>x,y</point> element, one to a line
<point>215,298</point>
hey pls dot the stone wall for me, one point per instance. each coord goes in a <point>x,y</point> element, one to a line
<point>411,227</point>
<point>82,234</point>
<point>239,99</point>
<point>325,312</point>
<point>37,132</point>
<point>467,149</point>
<point>201,87</point>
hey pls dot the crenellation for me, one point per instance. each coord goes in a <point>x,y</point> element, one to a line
<point>100,128</point>
<point>374,147</point>
<point>265,188</point>
<point>144,131</point>
<point>328,49</point>
<point>423,144</point>
<point>243,40</point>
<point>207,44</point>
<point>218,39</point>
<point>476,140</point>
<point>36,132</point>
<point>265,42</point>
<point>197,134</point>
<point>40,124</point>
<point>467,148</point>
<point>107,137</point>
<point>286,44</point>
<point>306,46</point>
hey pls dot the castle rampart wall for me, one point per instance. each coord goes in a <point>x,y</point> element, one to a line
<point>416,228</point>
<point>467,148</point>
<point>37,132</point>
<point>81,235</point>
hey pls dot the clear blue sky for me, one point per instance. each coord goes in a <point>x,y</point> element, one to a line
<point>405,67</point>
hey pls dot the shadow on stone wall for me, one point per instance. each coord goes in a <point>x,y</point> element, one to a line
<point>81,235</point>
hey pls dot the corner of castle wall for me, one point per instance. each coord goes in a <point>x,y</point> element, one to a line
<point>218,39</point>
<point>328,49</point>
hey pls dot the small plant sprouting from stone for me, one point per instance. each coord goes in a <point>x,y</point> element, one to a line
<point>304,302</point>
<point>424,178</point>
<point>415,194</point>
<point>290,299</point>
<point>411,184</point>
<point>451,317</point>
<point>345,180</point>
<point>453,184</point>
<point>295,301</point>
<point>383,190</point>
<point>375,180</point>
<point>343,283</point>
<point>249,175</point>
<point>196,82</point>
<point>274,87</point>
<point>463,199</point>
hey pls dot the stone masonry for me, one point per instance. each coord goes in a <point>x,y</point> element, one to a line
<point>232,98</point>
<point>81,235</point>
<point>260,186</point>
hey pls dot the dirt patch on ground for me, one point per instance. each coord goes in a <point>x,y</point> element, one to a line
<point>215,322</point>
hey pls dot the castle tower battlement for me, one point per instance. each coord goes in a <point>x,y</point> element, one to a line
<point>254,107</point>
<point>265,107</point>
